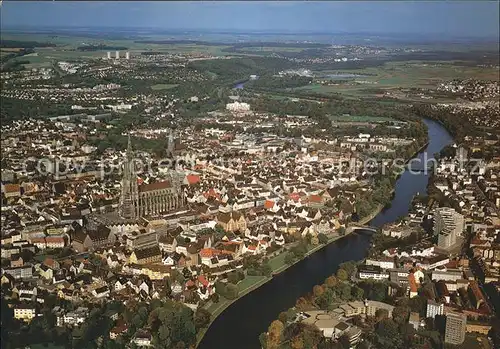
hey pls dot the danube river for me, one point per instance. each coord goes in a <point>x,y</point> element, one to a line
<point>239,326</point>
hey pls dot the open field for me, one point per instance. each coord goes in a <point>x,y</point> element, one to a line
<point>396,75</point>
<point>420,74</point>
<point>359,118</point>
<point>159,87</point>
<point>66,43</point>
<point>271,49</point>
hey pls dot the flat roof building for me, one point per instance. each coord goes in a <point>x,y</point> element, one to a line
<point>456,325</point>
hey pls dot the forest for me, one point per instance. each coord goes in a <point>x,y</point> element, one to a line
<point>100,47</point>
<point>24,44</point>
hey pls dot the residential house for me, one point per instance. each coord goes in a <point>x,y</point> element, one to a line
<point>146,255</point>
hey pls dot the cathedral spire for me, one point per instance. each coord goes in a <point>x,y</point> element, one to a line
<point>171,142</point>
<point>129,194</point>
<point>129,147</point>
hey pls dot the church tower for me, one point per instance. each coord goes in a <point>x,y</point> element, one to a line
<point>130,192</point>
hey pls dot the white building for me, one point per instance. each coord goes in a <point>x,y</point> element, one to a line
<point>117,54</point>
<point>434,309</point>
<point>238,107</point>
<point>24,313</point>
<point>372,272</point>
<point>448,225</point>
<point>108,55</point>
<point>384,263</point>
<point>75,317</point>
<point>127,55</point>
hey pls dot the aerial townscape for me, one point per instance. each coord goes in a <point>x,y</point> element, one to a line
<point>311,185</point>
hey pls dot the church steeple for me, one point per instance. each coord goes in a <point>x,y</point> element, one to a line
<point>171,143</point>
<point>130,191</point>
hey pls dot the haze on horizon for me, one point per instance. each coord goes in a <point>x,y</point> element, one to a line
<point>447,19</point>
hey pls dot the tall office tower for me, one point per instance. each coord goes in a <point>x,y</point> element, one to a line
<point>455,328</point>
<point>108,55</point>
<point>117,54</point>
<point>127,55</point>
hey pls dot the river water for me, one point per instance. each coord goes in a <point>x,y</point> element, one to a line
<point>240,325</point>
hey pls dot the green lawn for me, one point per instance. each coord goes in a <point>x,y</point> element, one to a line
<point>159,87</point>
<point>278,261</point>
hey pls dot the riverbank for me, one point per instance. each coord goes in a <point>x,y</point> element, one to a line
<point>278,266</point>
<point>371,216</point>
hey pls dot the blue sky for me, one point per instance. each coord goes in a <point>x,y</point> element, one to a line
<point>447,18</point>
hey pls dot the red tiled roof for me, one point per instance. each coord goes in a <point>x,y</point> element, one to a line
<point>53,239</point>
<point>412,282</point>
<point>193,179</point>
<point>269,204</point>
<point>12,188</point>
<point>154,186</point>
<point>209,252</point>
<point>203,280</point>
<point>315,198</point>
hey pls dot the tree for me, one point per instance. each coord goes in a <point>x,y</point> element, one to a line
<point>233,277</point>
<point>201,318</point>
<point>342,275</point>
<point>231,291</point>
<point>381,314</point>
<point>379,291</point>
<point>297,343</point>
<point>266,269</point>
<point>400,314</point>
<point>331,281</point>
<point>274,333</point>
<point>387,334</point>
<point>344,291</point>
<point>263,340</point>
<point>322,238</point>
<point>317,290</point>
<point>349,267</point>
<point>301,303</point>
<point>220,288</point>
<point>289,258</point>
<point>283,317</point>
<point>326,298</point>
<point>357,292</point>
<point>215,297</point>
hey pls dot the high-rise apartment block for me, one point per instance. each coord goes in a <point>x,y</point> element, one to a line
<point>434,308</point>
<point>455,328</point>
<point>117,55</point>
<point>448,225</point>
